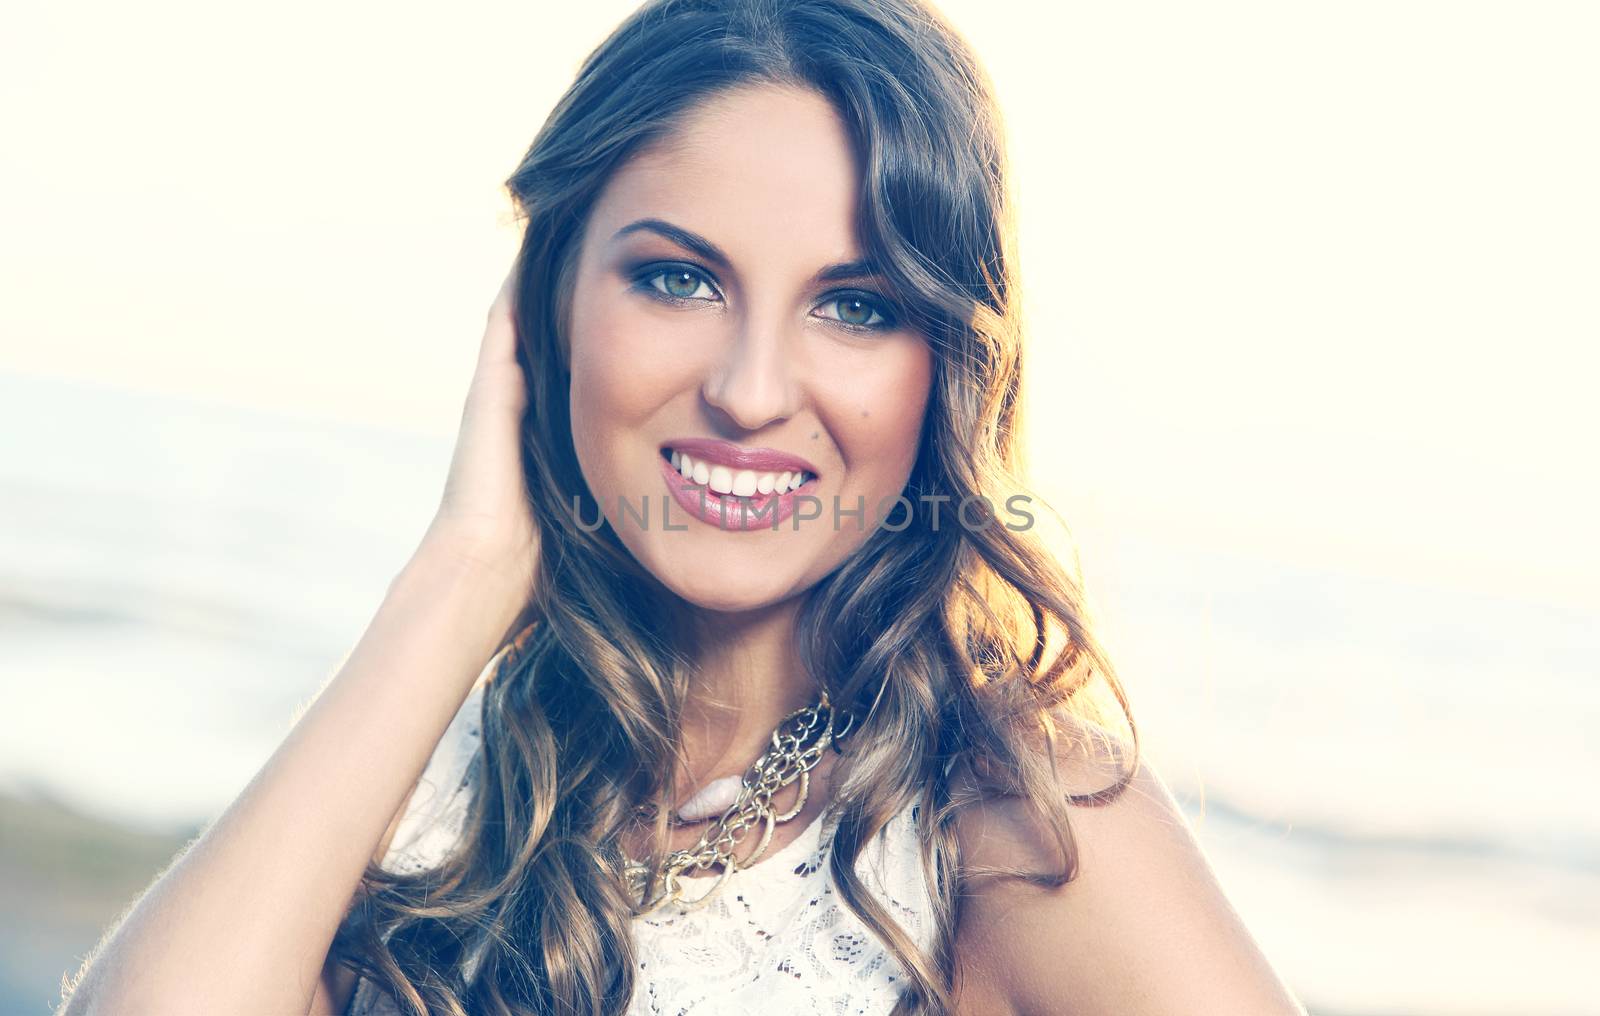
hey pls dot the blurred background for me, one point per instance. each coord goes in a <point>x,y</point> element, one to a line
<point>1313,316</point>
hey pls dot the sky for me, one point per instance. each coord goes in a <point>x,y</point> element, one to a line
<point>1310,284</point>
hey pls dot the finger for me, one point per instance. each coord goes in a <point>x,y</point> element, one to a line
<point>499,346</point>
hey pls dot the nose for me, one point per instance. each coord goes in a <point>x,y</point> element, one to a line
<point>755,381</point>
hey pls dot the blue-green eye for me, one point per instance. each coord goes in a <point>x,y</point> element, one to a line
<point>680,282</point>
<point>861,311</point>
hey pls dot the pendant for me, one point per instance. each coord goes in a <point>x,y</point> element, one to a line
<point>711,800</point>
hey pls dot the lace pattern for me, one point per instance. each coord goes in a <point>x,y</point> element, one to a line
<point>776,938</point>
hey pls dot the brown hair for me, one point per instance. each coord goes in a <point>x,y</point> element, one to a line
<point>962,652</point>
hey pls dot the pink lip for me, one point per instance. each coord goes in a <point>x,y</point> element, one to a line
<point>724,453</point>
<point>730,513</point>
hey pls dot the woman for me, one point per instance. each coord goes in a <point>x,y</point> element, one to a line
<point>735,495</point>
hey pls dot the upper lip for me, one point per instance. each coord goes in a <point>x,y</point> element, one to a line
<point>724,453</point>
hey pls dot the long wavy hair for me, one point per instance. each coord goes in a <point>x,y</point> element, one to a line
<point>962,652</point>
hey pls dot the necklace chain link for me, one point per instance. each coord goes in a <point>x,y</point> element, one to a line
<point>797,746</point>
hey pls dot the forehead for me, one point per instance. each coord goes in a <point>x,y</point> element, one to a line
<point>762,172</point>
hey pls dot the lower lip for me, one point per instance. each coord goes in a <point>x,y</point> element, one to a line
<point>727,512</point>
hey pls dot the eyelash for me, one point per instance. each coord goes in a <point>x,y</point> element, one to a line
<point>644,277</point>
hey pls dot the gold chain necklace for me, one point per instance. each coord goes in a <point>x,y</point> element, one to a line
<point>797,746</point>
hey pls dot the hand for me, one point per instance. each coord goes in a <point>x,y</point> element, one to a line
<point>483,517</point>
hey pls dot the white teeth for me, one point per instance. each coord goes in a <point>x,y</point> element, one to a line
<point>739,483</point>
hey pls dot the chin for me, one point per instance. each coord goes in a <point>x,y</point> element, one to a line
<point>728,590</point>
<point>721,602</point>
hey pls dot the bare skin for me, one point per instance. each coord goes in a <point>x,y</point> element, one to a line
<point>752,351</point>
<point>759,357</point>
<point>1144,929</point>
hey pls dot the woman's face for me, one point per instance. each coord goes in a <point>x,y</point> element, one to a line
<point>710,317</point>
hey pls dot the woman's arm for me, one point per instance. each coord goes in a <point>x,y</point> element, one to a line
<point>337,985</point>
<point>1143,930</point>
<point>242,921</point>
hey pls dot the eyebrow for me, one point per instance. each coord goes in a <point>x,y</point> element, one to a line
<point>689,240</point>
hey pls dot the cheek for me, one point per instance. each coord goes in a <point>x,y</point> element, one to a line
<point>620,372</point>
<point>614,390</point>
<point>880,413</point>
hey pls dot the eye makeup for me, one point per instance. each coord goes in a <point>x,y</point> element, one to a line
<point>642,278</point>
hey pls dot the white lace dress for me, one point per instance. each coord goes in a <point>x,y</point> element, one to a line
<point>775,939</point>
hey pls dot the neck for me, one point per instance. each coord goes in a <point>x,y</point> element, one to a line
<point>748,678</point>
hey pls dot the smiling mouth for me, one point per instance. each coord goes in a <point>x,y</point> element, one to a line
<point>720,479</point>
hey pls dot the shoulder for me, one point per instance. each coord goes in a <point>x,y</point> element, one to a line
<point>1143,928</point>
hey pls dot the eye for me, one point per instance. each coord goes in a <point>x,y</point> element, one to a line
<point>678,283</point>
<point>860,311</point>
<point>682,283</point>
